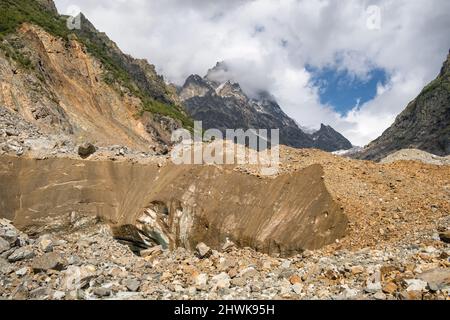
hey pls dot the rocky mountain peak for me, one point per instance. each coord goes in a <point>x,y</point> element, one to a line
<point>329,139</point>
<point>195,86</point>
<point>221,103</point>
<point>218,73</point>
<point>231,89</point>
<point>195,79</point>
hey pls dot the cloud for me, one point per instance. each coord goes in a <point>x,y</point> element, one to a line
<point>268,44</point>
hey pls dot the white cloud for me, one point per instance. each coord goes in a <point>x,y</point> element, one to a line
<point>268,43</point>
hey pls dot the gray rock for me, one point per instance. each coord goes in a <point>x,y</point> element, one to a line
<point>4,245</point>
<point>248,273</point>
<point>256,287</point>
<point>9,234</point>
<point>22,272</point>
<point>286,273</point>
<point>221,281</point>
<point>416,285</point>
<point>373,287</point>
<point>22,253</point>
<point>349,292</point>
<point>297,288</point>
<point>77,277</point>
<point>437,279</point>
<point>286,264</point>
<point>102,292</point>
<point>5,267</point>
<point>238,282</point>
<point>201,279</point>
<point>228,245</point>
<point>41,293</point>
<point>74,260</point>
<point>203,250</point>
<point>379,296</point>
<point>48,261</point>
<point>127,296</point>
<point>45,243</point>
<point>11,132</point>
<point>59,295</point>
<point>132,285</point>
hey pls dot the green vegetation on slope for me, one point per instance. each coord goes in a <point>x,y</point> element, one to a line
<point>16,12</point>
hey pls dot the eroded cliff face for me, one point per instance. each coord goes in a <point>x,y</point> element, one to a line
<point>174,205</point>
<point>68,93</point>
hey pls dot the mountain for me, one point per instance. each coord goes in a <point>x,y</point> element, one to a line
<point>79,83</point>
<point>226,106</point>
<point>423,125</point>
<point>330,140</point>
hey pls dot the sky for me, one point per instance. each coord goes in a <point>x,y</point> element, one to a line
<point>354,65</point>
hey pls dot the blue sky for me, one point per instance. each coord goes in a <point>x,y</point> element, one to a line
<point>342,90</point>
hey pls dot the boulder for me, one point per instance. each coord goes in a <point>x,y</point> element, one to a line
<point>201,280</point>
<point>5,267</point>
<point>45,243</point>
<point>297,288</point>
<point>77,277</point>
<point>102,292</point>
<point>22,253</point>
<point>437,279</point>
<point>4,245</point>
<point>203,250</point>
<point>248,273</point>
<point>21,272</point>
<point>228,245</point>
<point>9,233</point>
<point>416,285</point>
<point>132,285</point>
<point>86,149</point>
<point>48,261</point>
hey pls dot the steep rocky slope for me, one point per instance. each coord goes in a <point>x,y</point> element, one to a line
<point>328,139</point>
<point>423,125</point>
<point>226,106</point>
<point>79,83</point>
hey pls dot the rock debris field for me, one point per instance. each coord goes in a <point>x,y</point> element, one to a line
<point>396,244</point>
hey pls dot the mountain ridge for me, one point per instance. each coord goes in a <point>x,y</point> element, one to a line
<point>424,124</point>
<point>225,105</point>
